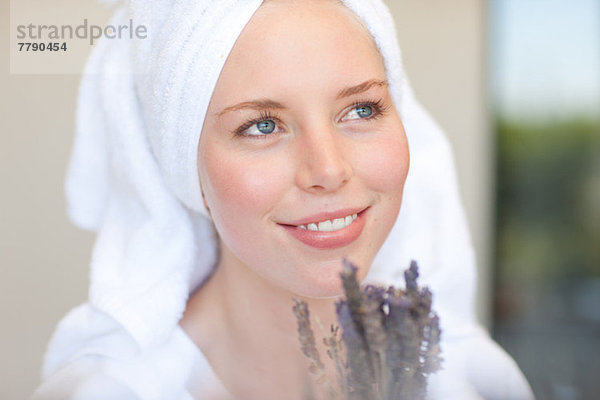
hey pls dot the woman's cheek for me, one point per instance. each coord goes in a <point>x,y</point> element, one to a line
<point>245,188</point>
<point>384,163</point>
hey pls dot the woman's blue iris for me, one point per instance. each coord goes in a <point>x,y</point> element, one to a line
<point>364,111</point>
<point>266,126</point>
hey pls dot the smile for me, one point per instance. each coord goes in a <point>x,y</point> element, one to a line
<point>330,225</point>
<point>329,230</point>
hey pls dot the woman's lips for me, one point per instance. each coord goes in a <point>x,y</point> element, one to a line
<point>331,239</point>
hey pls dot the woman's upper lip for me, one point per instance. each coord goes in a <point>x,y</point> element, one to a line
<point>325,215</point>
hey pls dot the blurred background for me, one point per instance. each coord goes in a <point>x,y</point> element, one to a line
<point>514,83</point>
<point>544,77</point>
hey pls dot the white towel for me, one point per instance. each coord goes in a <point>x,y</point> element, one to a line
<point>133,179</point>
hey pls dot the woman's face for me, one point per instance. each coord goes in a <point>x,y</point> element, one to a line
<point>303,157</point>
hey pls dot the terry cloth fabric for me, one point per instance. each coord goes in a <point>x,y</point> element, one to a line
<point>133,179</point>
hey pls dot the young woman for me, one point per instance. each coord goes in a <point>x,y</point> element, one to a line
<point>230,163</point>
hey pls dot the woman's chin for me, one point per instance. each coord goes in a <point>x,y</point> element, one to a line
<point>321,292</point>
<point>322,287</point>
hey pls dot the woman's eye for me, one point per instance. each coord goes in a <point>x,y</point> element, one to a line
<point>260,128</point>
<point>359,112</point>
<point>364,111</point>
<point>267,126</point>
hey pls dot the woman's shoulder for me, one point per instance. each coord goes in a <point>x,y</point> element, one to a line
<point>82,379</point>
<point>86,331</point>
<point>90,350</point>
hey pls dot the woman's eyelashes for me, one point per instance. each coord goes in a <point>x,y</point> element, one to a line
<point>364,110</point>
<point>262,126</point>
<point>267,123</point>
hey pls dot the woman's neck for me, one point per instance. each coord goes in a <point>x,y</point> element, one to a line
<point>245,326</point>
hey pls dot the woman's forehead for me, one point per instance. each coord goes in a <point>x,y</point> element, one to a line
<point>321,43</point>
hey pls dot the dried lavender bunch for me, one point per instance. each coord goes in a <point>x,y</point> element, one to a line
<point>390,338</point>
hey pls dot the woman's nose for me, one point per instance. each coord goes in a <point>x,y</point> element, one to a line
<point>324,161</point>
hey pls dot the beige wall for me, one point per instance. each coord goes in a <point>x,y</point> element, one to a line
<point>45,259</point>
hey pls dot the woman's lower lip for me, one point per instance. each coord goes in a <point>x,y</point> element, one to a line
<point>329,240</point>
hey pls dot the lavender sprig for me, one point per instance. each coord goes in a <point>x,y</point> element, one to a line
<point>333,343</point>
<point>307,338</point>
<point>374,301</point>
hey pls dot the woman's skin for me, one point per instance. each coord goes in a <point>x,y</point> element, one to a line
<point>301,123</point>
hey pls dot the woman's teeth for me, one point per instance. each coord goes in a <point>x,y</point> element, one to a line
<point>330,225</point>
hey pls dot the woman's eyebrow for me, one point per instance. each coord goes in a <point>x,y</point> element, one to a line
<point>361,87</point>
<point>253,105</point>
